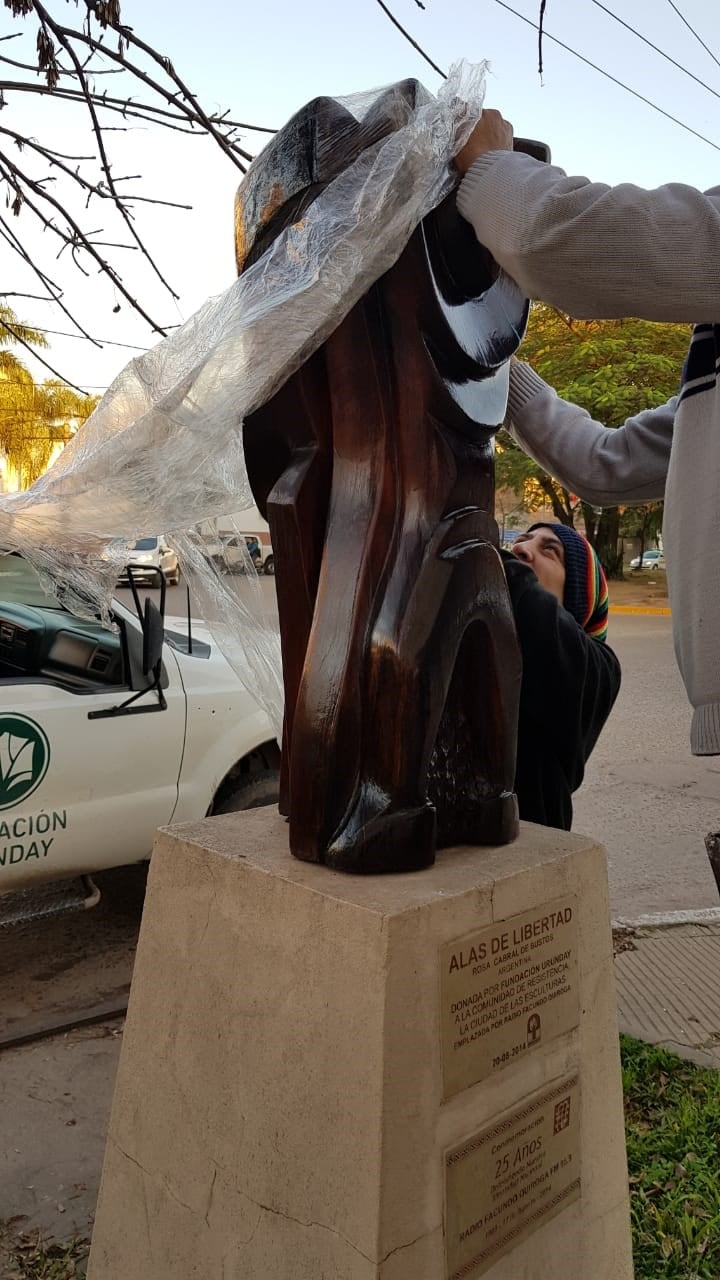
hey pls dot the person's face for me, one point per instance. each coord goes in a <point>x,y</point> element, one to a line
<point>545,554</point>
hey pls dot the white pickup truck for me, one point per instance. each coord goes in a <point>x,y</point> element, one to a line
<point>230,551</point>
<point>107,735</point>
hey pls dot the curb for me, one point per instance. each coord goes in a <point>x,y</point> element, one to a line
<point>668,919</point>
<point>631,608</point>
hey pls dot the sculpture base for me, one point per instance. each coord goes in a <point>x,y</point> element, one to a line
<point>409,1076</point>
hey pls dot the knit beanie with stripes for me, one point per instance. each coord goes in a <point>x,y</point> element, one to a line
<point>586,590</point>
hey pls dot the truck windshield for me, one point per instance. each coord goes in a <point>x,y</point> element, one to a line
<point>20,584</point>
<point>145,544</point>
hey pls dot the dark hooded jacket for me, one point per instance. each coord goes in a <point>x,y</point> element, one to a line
<point>569,685</point>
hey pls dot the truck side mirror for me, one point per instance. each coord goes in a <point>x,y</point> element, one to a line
<point>153,637</point>
<point>152,622</point>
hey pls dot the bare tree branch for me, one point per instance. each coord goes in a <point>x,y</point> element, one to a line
<point>70,61</point>
<point>541,20</point>
<point>130,107</point>
<point>128,35</point>
<point>54,292</point>
<point>194,111</point>
<point>35,297</point>
<point>63,71</point>
<point>96,189</point>
<point>78,239</point>
<point>47,23</point>
<point>410,39</point>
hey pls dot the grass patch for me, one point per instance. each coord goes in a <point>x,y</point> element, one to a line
<point>672,1120</point>
<point>27,1256</point>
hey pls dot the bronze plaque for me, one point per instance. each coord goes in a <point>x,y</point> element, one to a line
<point>506,990</point>
<point>506,1180</point>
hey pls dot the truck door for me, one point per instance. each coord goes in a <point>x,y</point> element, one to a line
<point>79,793</point>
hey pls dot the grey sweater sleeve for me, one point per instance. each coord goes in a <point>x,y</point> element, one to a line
<point>593,250</point>
<point>602,465</point>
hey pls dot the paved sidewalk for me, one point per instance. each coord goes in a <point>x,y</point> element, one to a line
<point>668,985</point>
<point>55,1098</point>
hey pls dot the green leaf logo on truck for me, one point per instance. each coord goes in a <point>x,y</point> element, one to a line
<point>24,758</point>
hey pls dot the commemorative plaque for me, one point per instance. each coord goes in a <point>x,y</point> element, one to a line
<point>506,990</point>
<point>509,1178</point>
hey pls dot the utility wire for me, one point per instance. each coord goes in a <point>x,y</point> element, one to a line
<point>663,54</point>
<point>16,338</point>
<point>648,102</point>
<point>699,38</point>
<point>528,21</point>
<point>108,342</point>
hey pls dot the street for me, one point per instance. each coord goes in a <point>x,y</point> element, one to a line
<point>176,600</point>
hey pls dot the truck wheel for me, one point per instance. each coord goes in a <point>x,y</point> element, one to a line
<point>270,566</point>
<point>251,792</point>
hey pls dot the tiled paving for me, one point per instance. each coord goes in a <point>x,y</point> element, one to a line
<point>668,987</point>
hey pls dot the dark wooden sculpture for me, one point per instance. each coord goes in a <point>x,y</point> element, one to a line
<point>374,467</point>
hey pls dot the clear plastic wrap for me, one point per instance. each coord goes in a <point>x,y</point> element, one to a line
<point>163,450</point>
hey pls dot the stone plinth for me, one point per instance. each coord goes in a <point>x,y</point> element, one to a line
<point>412,1076</point>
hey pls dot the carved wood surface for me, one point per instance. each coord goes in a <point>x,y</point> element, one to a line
<point>374,467</point>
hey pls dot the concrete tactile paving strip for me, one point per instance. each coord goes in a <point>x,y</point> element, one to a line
<point>668,990</point>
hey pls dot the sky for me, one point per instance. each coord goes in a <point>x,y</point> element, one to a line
<point>263,61</point>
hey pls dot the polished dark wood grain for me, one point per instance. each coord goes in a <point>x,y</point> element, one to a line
<point>374,467</point>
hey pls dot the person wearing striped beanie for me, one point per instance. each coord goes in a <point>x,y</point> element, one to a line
<point>571,677</point>
<point>585,591</point>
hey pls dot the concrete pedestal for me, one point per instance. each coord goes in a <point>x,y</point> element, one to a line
<point>409,1077</point>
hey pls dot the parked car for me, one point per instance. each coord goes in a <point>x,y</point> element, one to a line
<point>226,551</point>
<point>152,560</point>
<point>260,552</point>
<point>230,551</point>
<point>107,735</point>
<point>234,549</point>
<point>650,560</point>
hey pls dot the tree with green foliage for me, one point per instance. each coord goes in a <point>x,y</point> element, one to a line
<point>643,522</point>
<point>34,418</point>
<point>613,369</point>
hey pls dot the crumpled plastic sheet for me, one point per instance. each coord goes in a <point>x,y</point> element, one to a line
<point>163,450</point>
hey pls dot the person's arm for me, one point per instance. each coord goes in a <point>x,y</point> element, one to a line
<point>594,250</point>
<point>570,681</point>
<point>602,465</point>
